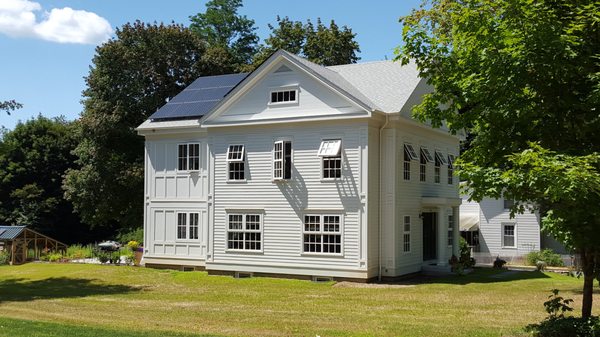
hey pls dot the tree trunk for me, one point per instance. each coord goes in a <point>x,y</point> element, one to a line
<point>588,264</point>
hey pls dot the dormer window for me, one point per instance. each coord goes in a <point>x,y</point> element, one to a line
<point>284,96</point>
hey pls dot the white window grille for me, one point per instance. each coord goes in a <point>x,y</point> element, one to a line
<point>322,234</point>
<point>406,234</point>
<point>244,232</point>
<point>330,152</point>
<point>236,158</point>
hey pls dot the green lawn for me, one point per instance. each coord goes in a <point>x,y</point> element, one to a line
<point>91,300</point>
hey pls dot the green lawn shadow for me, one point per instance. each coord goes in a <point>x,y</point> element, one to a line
<point>478,275</point>
<point>20,289</point>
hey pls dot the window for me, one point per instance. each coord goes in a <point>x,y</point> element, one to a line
<point>236,162</point>
<point>322,234</point>
<point>423,168</point>
<point>282,160</point>
<point>187,226</point>
<point>407,159</point>
<point>508,235</point>
<point>437,170</point>
<point>406,234</point>
<point>244,232</point>
<point>450,229</point>
<point>283,96</point>
<point>188,157</point>
<point>410,151</point>
<point>450,169</point>
<point>509,203</point>
<point>331,153</point>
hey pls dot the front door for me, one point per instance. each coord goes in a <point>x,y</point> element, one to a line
<point>429,236</point>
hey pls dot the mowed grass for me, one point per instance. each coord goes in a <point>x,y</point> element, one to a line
<point>39,299</point>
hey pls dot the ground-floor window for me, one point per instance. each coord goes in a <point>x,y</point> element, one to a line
<point>322,234</point>
<point>450,230</point>
<point>406,234</point>
<point>187,226</point>
<point>508,235</point>
<point>244,232</point>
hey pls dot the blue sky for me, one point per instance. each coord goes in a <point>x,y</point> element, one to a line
<point>44,71</point>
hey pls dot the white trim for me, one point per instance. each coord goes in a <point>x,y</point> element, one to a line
<point>427,154</point>
<point>504,224</point>
<point>295,88</point>
<point>187,157</point>
<point>322,232</point>
<point>187,218</point>
<point>405,232</point>
<point>244,230</point>
<point>282,160</point>
<point>336,153</point>
<point>411,151</point>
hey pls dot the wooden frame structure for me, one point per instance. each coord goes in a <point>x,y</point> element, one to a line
<point>18,240</point>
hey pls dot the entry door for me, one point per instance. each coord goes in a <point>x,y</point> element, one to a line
<point>429,236</point>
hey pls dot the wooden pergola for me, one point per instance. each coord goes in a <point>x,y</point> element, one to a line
<point>18,240</point>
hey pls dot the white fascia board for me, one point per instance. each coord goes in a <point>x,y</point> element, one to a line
<point>163,127</point>
<point>286,120</point>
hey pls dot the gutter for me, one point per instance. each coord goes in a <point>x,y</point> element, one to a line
<point>387,120</point>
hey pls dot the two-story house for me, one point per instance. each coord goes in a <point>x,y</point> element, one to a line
<point>301,170</point>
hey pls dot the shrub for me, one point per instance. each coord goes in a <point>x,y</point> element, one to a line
<point>547,256</point>
<point>136,234</point>
<point>55,257</point>
<point>133,245</point>
<point>4,257</point>
<point>76,252</point>
<point>103,257</point>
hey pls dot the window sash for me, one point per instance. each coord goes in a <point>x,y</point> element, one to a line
<point>194,226</point>
<point>450,230</point>
<point>181,226</point>
<point>283,96</point>
<point>330,148</point>
<point>188,157</point>
<point>236,153</point>
<point>406,234</point>
<point>182,150</point>
<point>282,160</point>
<point>244,231</point>
<point>322,234</point>
<point>426,154</point>
<point>408,148</point>
<point>441,158</point>
<point>509,236</point>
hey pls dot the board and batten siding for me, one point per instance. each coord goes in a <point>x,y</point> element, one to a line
<point>283,204</point>
<point>493,215</point>
<point>168,192</point>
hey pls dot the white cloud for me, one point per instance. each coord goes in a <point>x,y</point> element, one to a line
<point>63,25</point>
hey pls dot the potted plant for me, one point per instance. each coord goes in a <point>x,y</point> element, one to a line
<point>137,251</point>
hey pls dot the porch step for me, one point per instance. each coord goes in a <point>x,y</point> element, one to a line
<point>435,270</point>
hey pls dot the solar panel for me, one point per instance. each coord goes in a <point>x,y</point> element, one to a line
<point>198,98</point>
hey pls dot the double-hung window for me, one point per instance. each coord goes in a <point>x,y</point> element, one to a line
<point>409,155</point>
<point>322,234</point>
<point>236,158</point>
<point>406,234</point>
<point>509,235</point>
<point>425,158</point>
<point>244,232</point>
<point>439,161</point>
<point>187,226</point>
<point>188,157</point>
<point>331,153</point>
<point>450,169</point>
<point>450,229</point>
<point>282,160</point>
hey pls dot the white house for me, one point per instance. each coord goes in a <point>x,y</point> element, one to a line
<point>489,228</point>
<point>300,170</point>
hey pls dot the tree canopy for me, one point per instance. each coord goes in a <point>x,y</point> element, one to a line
<point>227,34</point>
<point>523,78</point>
<point>131,77</point>
<point>321,44</point>
<point>10,105</point>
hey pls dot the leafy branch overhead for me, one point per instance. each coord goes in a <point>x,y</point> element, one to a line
<point>9,106</point>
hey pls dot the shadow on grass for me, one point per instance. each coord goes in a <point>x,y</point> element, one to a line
<point>479,275</point>
<point>19,289</point>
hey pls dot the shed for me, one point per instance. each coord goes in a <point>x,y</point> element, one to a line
<point>18,240</point>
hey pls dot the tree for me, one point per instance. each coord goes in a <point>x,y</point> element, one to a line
<point>10,105</point>
<point>228,34</point>
<point>523,78</point>
<point>131,77</point>
<point>323,45</point>
<point>33,159</point>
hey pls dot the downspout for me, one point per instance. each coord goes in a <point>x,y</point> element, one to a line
<point>387,120</point>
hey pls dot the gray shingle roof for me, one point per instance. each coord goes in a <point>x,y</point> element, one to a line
<point>10,232</point>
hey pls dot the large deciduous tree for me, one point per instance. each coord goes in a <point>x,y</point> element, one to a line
<point>523,77</point>
<point>131,77</point>
<point>321,44</point>
<point>33,159</point>
<point>228,35</point>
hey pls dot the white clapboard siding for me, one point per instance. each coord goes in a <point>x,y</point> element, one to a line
<point>283,204</point>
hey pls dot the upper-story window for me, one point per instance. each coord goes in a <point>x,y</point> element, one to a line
<point>425,158</point>
<point>409,155</point>
<point>509,203</point>
<point>284,96</point>
<point>450,169</point>
<point>236,160</point>
<point>331,153</point>
<point>188,157</point>
<point>282,160</point>
<point>439,161</point>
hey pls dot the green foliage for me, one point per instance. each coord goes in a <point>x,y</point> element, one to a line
<point>523,79</point>
<point>11,105</point>
<point>546,255</point>
<point>33,159</point>
<point>131,76</point>
<point>134,234</point>
<point>77,252</point>
<point>556,306</point>
<point>55,257</point>
<point>4,257</point>
<point>230,37</point>
<point>133,245</point>
<point>321,44</point>
<point>103,257</point>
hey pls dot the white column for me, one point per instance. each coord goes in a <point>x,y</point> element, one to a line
<point>442,237</point>
<point>456,231</point>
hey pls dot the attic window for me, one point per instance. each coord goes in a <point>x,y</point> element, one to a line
<point>284,96</point>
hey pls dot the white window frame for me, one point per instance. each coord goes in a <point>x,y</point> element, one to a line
<point>440,156</point>
<point>411,151</point>
<point>451,159</point>
<point>406,234</point>
<point>407,159</point>
<point>187,157</point>
<point>336,154</point>
<point>282,160</point>
<point>437,170</point>
<point>427,154</point>
<point>422,167</point>
<point>241,160</point>
<point>322,232</point>
<point>294,89</point>
<point>504,224</point>
<point>245,231</point>
<point>187,216</point>
<point>450,238</point>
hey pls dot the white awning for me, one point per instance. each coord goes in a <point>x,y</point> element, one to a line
<point>469,222</point>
